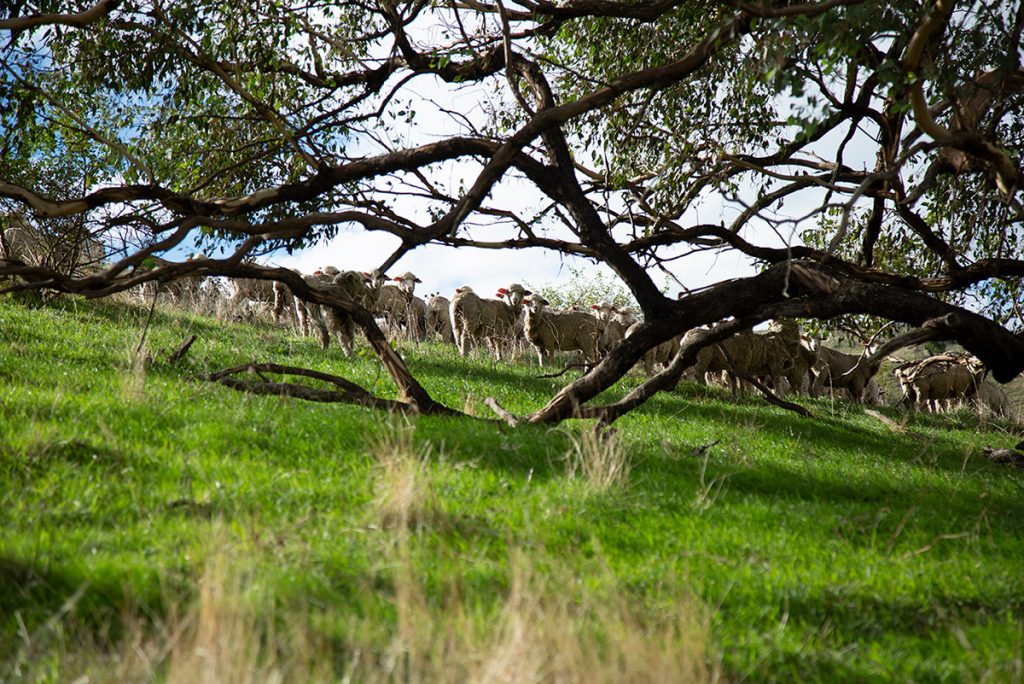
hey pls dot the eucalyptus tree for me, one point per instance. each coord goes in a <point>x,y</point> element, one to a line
<point>867,157</point>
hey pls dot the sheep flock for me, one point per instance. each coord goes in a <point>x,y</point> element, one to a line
<point>516,322</point>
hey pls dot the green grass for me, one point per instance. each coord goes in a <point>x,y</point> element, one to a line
<point>829,549</point>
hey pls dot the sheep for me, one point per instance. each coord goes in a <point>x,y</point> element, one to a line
<point>661,354</point>
<point>398,305</point>
<point>938,381</point>
<point>800,376</point>
<point>772,356</point>
<point>994,399</point>
<point>475,319</point>
<point>514,294</point>
<point>837,370</point>
<point>732,356</point>
<point>353,286</point>
<point>614,324</point>
<point>439,321</point>
<point>551,331</point>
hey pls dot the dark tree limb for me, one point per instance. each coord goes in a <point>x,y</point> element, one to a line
<point>179,353</point>
<point>799,289</point>
<point>348,392</point>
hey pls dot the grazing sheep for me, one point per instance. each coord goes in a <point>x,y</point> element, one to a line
<point>835,370</point>
<point>994,399</point>
<point>731,357</point>
<point>476,319</point>
<point>771,356</point>
<point>550,331</point>
<point>439,321</point>
<point>940,381</point>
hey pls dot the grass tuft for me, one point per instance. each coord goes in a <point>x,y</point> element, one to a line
<point>403,484</point>
<point>599,458</point>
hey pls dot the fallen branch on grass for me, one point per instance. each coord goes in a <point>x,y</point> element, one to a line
<point>502,412</point>
<point>182,349</point>
<point>773,398</point>
<point>348,392</point>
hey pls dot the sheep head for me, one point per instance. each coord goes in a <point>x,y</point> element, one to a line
<point>535,303</point>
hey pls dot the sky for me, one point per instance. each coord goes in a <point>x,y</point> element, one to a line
<point>442,269</point>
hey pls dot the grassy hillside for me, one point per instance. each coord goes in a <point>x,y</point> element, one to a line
<point>158,527</point>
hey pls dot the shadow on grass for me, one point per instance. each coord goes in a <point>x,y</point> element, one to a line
<point>844,620</point>
<point>40,603</point>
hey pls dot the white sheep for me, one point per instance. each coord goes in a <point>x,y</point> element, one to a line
<point>550,331</point>
<point>353,286</point>
<point>836,370</point>
<point>613,328</point>
<point>994,399</point>
<point>399,306</point>
<point>940,381</point>
<point>475,319</point>
<point>659,355</point>
<point>514,294</point>
<point>770,356</point>
<point>439,321</point>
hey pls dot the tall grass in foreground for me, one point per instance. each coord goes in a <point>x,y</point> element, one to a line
<point>599,458</point>
<point>549,624</point>
<point>548,629</point>
<point>403,487</point>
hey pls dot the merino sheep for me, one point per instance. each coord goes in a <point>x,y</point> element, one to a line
<point>771,356</point>
<point>439,321</point>
<point>353,286</point>
<point>660,355</point>
<point>835,370</point>
<point>774,356</point>
<point>476,319</point>
<point>398,305</point>
<point>939,381</point>
<point>514,295</point>
<point>614,324</point>
<point>994,399</point>
<point>550,331</point>
<point>731,356</point>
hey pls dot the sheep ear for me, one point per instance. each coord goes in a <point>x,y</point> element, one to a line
<point>545,302</point>
<point>527,293</point>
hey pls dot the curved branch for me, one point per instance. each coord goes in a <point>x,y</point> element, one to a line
<point>78,19</point>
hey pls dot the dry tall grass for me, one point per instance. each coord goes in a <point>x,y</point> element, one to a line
<point>552,624</point>
<point>599,458</point>
<point>403,478</point>
<point>548,628</point>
